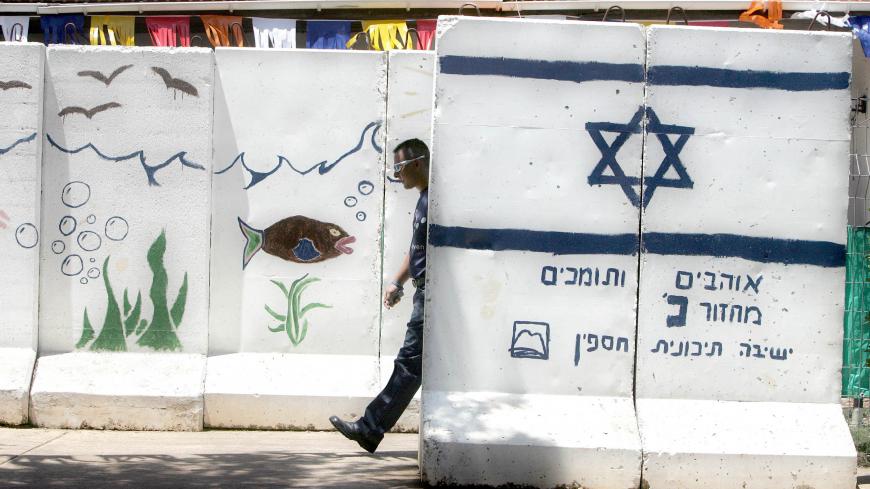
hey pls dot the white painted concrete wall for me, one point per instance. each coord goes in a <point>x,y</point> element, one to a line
<point>126,187</point>
<point>409,115</point>
<point>741,314</point>
<point>20,133</point>
<point>528,372</point>
<point>298,133</point>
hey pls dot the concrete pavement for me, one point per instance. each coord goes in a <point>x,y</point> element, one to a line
<point>31,457</point>
<point>92,459</point>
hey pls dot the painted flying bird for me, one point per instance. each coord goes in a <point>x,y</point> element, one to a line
<point>298,239</point>
<point>14,84</point>
<point>89,113</point>
<point>101,77</point>
<point>175,83</point>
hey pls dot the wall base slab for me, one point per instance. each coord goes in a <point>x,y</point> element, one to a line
<point>16,372</point>
<point>122,391</point>
<point>495,439</point>
<point>752,445</point>
<point>287,391</point>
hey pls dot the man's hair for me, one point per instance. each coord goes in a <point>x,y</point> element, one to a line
<point>413,148</point>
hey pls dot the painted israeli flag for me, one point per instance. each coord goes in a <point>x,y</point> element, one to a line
<point>532,273</point>
<point>741,288</point>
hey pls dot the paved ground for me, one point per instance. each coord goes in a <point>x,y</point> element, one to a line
<point>92,459</point>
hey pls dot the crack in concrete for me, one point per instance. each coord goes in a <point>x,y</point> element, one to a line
<point>34,448</point>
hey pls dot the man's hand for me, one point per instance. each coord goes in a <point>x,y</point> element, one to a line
<point>392,296</point>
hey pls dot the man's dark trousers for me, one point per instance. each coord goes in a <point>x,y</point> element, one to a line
<point>383,412</point>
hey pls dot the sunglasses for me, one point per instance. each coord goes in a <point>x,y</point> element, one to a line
<point>397,167</point>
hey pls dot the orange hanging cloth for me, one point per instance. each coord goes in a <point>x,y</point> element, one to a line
<point>219,27</point>
<point>771,21</point>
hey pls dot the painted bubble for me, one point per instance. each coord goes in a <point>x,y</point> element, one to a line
<point>92,219</point>
<point>27,235</point>
<point>72,265</point>
<point>75,194</point>
<point>117,228</point>
<point>350,201</point>
<point>67,225</point>
<point>94,273</point>
<point>366,187</point>
<point>89,240</point>
<point>83,280</point>
<point>93,260</point>
<point>57,247</point>
<point>360,216</point>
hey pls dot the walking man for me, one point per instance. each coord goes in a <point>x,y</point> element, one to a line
<point>411,167</point>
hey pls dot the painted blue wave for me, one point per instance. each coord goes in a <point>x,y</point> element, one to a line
<point>322,167</point>
<point>23,140</point>
<point>150,170</point>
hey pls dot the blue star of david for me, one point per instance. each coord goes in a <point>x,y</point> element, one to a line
<point>650,184</point>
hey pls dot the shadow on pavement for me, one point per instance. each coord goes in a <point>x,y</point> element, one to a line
<point>397,469</point>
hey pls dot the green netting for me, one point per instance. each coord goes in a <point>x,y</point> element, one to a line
<point>856,338</point>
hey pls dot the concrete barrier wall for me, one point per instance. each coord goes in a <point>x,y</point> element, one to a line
<point>296,242</point>
<point>20,161</point>
<point>741,295</point>
<point>532,272</point>
<point>409,115</point>
<point>123,321</point>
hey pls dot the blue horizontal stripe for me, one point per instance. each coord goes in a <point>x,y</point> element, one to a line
<point>572,71</point>
<point>764,250</point>
<point>725,78</point>
<point>558,243</point>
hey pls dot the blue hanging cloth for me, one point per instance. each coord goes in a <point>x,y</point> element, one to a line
<point>63,29</point>
<point>327,34</point>
<point>861,27</point>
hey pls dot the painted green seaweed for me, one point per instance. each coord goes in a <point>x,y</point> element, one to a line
<point>160,334</point>
<point>87,332</point>
<point>293,322</point>
<point>111,337</point>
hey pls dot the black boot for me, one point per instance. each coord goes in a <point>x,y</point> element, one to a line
<point>353,431</point>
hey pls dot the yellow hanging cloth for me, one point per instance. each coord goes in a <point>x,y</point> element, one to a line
<point>383,35</point>
<point>771,21</point>
<point>120,28</point>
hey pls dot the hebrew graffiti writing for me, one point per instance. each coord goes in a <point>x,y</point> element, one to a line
<point>688,348</point>
<point>583,276</point>
<point>754,350</point>
<point>717,281</point>
<point>732,313</point>
<point>589,342</point>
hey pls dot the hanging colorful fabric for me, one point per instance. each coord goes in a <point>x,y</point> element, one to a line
<point>219,27</point>
<point>63,29</point>
<point>165,31</point>
<point>275,33</point>
<point>771,21</point>
<point>861,27</point>
<point>327,34</point>
<point>15,28</point>
<point>426,33</point>
<point>383,35</point>
<point>120,30</point>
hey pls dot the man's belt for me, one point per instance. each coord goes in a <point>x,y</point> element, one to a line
<point>419,282</point>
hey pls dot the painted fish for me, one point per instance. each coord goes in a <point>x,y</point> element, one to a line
<point>298,239</point>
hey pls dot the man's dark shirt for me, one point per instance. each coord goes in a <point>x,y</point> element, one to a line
<point>417,253</point>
